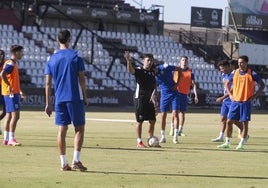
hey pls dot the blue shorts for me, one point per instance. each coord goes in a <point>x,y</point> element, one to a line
<point>12,103</point>
<point>240,111</point>
<point>167,99</point>
<point>225,108</point>
<point>70,112</point>
<point>183,100</point>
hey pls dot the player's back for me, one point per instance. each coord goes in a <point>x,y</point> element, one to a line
<point>64,67</point>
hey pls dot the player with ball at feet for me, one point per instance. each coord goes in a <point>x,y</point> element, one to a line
<point>145,100</point>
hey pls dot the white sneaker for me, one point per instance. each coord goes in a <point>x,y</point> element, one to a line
<point>162,140</point>
<point>218,139</point>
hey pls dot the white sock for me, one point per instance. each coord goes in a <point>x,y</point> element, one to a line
<point>76,156</point>
<point>63,160</point>
<point>163,133</point>
<point>228,140</point>
<point>242,141</point>
<point>11,135</point>
<point>180,128</point>
<point>176,132</point>
<point>6,135</point>
<point>221,135</point>
<point>139,140</point>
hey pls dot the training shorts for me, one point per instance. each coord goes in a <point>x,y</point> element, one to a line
<point>183,100</point>
<point>144,109</point>
<point>225,106</point>
<point>167,99</point>
<point>12,103</point>
<point>240,111</point>
<point>70,112</point>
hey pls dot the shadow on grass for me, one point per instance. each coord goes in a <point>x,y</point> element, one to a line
<point>178,175</point>
<point>147,149</point>
<point>164,149</point>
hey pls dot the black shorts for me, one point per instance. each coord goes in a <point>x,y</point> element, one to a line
<point>144,110</point>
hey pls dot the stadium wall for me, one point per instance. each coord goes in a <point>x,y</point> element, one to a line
<point>104,98</point>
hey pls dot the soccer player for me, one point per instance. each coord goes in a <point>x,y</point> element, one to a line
<point>226,68</point>
<point>2,101</point>
<point>187,79</point>
<point>12,93</point>
<point>241,94</point>
<point>169,96</point>
<point>66,69</point>
<point>144,99</point>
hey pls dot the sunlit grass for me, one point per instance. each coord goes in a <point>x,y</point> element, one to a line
<point>113,160</point>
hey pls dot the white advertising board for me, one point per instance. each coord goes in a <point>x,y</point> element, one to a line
<point>257,53</point>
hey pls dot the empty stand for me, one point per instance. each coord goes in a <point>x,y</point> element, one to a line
<point>40,43</point>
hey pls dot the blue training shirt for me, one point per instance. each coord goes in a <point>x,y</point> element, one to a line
<point>64,66</point>
<point>164,77</point>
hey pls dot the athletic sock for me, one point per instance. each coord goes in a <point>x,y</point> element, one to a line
<point>176,132</point>
<point>180,128</point>
<point>221,135</point>
<point>163,133</point>
<point>63,160</point>
<point>6,135</point>
<point>228,140</point>
<point>139,140</point>
<point>76,156</point>
<point>242,141</point>
<point>11,135</point>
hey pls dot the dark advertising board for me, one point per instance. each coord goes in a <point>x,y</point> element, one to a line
<point>249,14</point>
<point>206,17</point>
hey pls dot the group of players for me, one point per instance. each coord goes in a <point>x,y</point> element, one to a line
<point>66,69</point>
<point>172,93</point>
<point>175,83</point>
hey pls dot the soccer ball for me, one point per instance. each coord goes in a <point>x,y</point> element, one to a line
<point>153,142</point>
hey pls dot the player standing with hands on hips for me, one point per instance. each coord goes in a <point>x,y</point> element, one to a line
<point>241,94</point>
<point>66,69</point>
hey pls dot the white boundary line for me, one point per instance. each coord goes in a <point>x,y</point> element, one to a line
<point>111,120</point>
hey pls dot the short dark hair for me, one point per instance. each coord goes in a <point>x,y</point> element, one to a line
<point>184,56</point>
<point>244,57</point>
<point>147,55</point>
<point>223,63</point>
<point>63,36</point>
<point>15,48</point>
